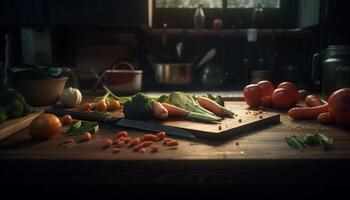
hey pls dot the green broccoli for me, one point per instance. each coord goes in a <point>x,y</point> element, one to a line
<point>14,109</point>
<point>163,99</point>
<point>3,116</point>
<point>139,107</point>
<point>218,99</point>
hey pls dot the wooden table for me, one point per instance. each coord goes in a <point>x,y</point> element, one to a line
<point>260,158</point>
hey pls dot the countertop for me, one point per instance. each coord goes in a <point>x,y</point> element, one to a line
<point>260,157</point>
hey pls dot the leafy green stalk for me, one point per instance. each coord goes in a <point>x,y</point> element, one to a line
<point>120,99</point>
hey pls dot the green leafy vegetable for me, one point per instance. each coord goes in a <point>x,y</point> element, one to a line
<point>186,102</point>
<point>139,107</point>
<point>295,142</point>
<point>218,99</point>
<point>163,99</point>
<point>79,128</point>
<point>122,100</point>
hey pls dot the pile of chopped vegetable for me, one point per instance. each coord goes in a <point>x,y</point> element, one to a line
<point>310,139</point>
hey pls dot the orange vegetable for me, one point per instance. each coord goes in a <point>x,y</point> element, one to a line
<point>160,111</point>
<point>101,106</point>
<point>339,106</point>
<point>120,144</point>
<point>44,127</point>
<point>122,134</point>
<point>307,112</point>
<point>66,119</point>
<point>214,107</point>
<point>161,135</point>
<point>172,143</point>
<point>174,111</point>
<point>149,137</point>
<point>325,118</point>
<point>87,107</point>
<point>154,148</point>
<point>114,105</point>
<point>142,145</point>
<point>313,101</point>
<point>134,142</point>
<point>108,142</point>
<point>166,140</point>
<point>87,136</point>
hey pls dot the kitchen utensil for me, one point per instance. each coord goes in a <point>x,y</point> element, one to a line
<point>118,121</point>
<point>179,48</point>
<point>212,75</point>
<point>172,73</point>
<point>40,92</point>
<point>334,66</point>
<point>208,56</point>
<point>121,81</point>
<point>14,125</point>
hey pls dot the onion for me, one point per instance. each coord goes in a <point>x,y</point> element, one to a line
<point>44,127</point>
<point>71,97</point>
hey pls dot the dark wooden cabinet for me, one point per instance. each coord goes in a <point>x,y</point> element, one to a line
<point>98,13</point>
<point>78,12</point>
<point>23,12</point>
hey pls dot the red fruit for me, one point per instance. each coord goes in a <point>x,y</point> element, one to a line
<point>339,106</point>
<point>266,88</point>
<point>283,98</point>
<point>252,95</point>
<point>291,87</point>
<point>266,101</point>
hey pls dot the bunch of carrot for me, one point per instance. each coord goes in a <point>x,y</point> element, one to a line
<point>139,144</point>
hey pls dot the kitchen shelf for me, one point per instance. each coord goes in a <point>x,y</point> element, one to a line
<point>227,32</point>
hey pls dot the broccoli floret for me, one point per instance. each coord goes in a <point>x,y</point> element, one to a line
<point>163,99</point>
<point>3,116</point>
<point>14,109</point>
<point>218,99</point>
<point>140,107</point>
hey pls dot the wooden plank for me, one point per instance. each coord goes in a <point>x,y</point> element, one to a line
<point>14,125</point>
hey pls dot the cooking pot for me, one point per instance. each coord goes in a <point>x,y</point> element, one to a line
<point>122,81</point>
<point>172,73</point>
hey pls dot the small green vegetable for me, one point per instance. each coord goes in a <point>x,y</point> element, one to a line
<point>14,109</point>
<point>295,142</point>
<point>139,107</point>
<point>218,99</point>
<point>79,128</point>
<point>311,139</point>
<point>163,99</point>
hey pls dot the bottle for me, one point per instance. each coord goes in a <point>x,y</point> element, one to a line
<point>199,17</point>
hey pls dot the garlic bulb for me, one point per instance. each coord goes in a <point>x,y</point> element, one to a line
<point>71,97</point>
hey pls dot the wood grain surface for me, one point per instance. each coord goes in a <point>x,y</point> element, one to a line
<point>259,157</point>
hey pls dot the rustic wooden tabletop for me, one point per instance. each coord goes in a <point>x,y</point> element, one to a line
<point>260,157</point>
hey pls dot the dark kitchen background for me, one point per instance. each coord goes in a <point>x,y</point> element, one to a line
<point>93,34</point>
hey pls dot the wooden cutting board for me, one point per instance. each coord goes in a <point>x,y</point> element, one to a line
<point>14,125</point>
<point>244,121</point>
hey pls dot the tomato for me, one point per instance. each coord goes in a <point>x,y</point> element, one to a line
<point>266,88</point>
<point>44,127</point>
<point>291,87</point>
<point>266,101</point>
<point>339,106</point>
<point>66,119</point>
<point>283,98</point>
<point>114,105</point>
<point>87,107</point>
<point>101,106</point>
<point>252,95</point>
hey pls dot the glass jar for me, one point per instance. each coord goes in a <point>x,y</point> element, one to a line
<point>335,68</point>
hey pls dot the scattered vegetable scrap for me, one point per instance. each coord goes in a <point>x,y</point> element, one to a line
<point>66,119</point>
<point>87,136</point>
<point>310,139</point>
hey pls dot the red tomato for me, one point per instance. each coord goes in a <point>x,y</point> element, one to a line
<point>266,88</point>
<point>339,106</point>
<point>252,95</point>
<point>283,98</point>
<point>266,101</point>
<point>291,87</point>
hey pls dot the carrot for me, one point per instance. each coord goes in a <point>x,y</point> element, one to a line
<point>142,145</point>
<point>108,142</point>
<point>166,141</point>
<point>154,148</point>
<point>149,137</point>
<point>134,142</point>
<point>161,135</point>
<point>307,112</point>
<point>172,143</point>
<point>214,107</point>
<point>160,111</point>
<point>174,111</point>
<point>122,134</point>
<point>325,118</point>
<point>313,101</point>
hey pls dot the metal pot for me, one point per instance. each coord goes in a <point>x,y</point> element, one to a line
<point>172,73</point>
